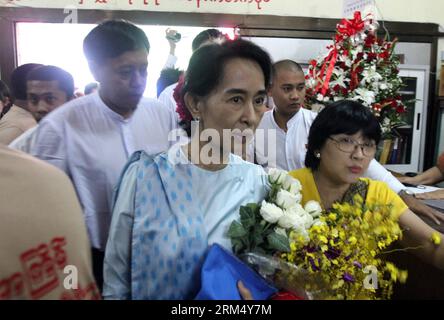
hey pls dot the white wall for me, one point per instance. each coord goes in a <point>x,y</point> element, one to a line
<point>303,50</point>
<point>431,11</point>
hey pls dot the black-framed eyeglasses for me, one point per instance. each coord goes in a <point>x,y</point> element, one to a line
<point>349,145</point>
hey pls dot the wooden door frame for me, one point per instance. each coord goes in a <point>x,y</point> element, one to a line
<point>249,25</point>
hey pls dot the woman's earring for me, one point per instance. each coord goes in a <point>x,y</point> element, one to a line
<point>318,155</point>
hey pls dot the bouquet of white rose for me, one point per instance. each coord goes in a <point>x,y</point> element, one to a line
<point>263,233</point>
<point>264,228</point>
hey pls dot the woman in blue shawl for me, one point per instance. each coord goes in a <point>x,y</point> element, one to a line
<point>171,207</point>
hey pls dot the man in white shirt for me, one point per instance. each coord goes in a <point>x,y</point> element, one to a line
<point>169,74</point>
<point>47,88</point>
<point>91,138</point>
<point>282,135</point>
<point>206,36</point>
<point>173,38</point>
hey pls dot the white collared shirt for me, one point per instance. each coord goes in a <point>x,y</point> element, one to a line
<point>24,141</point>
<point>166,97</point>
<point>92,144</point>
<point>276,148</point>
<point>171,62</point>
<point>288,150</point>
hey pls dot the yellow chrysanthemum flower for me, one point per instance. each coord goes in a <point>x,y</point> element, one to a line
<point>436,238</point>
<point>351,238</point>
<point>403,276</point>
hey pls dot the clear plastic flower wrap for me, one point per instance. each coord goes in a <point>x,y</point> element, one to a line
<point>315,254</point>
<point>287,276</point>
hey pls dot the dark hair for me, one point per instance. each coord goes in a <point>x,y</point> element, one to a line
<point>345,116</point>
<point>286,64</point>
<point>90,87</point>
<point>112,38</point>
<point>5,93</point>
<point>167,77</point>
<point>18,80</point>
<point>52,73</point>
<point>205,36</point>
<point>206,68</point>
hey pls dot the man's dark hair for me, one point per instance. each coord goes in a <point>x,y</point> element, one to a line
<point>5,93</point>
<point>18,80</point>
<point>205,36</point>
<point>90,87</point>
<point>52,73</point>
<point>167,77</point>
<point>345,116</point>
<point>286,64</point>
<point>112,38</point>
<point>206,68</point>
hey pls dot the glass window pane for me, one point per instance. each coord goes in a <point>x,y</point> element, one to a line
<point>61,44</point>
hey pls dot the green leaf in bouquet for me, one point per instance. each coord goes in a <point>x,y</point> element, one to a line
<point>273,192</point>
<point>278,242</point>
<point>254,207</point>
<point>247,216</point>
<point>258,236</point>
<point>238,246</point>
<point>236,230</point>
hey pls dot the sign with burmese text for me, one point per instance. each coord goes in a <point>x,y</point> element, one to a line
<point>350,6</point>
<point>215,6</point>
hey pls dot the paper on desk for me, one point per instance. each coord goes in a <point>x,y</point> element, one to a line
<point>422,188</point>
<point>437,204</point>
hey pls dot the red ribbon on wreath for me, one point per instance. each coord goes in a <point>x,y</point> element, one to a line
<point>330,61</point>
<point>353,26</point>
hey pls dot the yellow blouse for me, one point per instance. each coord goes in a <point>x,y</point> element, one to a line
<point>378,191</point>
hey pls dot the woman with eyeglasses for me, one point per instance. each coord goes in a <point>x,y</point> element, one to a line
<point>341,143</point>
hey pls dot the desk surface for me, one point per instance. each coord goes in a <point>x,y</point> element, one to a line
<point>424,281</point>
<point>435,204</point>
